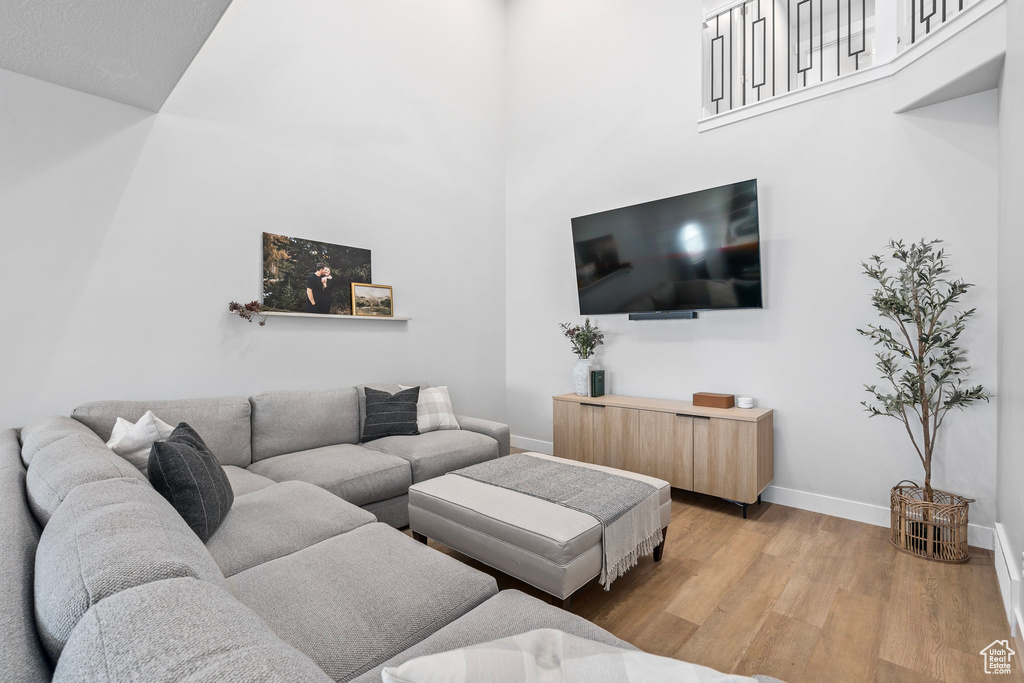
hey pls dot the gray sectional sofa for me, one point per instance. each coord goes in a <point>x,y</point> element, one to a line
<point>102,580</point>
<point>313,436</point>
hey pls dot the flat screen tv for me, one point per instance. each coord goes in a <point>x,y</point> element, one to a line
<point>696,252</point>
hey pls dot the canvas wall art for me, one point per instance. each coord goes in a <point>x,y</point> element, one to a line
<point>305,276</point>
<point>373,300</point>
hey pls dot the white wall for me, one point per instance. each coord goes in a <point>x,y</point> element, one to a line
<point>1011,284</point>
<point>380,125</point>
<point>377,125</point>
<point>603,101</point>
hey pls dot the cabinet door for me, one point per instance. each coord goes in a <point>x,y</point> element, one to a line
<point>615,435</point>
<point>573,434</point>
<point>725,458</point>
<point>666,448</point>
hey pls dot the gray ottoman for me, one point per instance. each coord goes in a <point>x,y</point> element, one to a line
<point>548,546</point>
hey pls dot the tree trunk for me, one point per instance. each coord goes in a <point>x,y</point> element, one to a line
<point>929,497</point>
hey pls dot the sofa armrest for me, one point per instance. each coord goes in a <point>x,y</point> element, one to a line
<point>497,431</point>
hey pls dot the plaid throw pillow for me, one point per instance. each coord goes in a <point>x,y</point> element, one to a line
<point>434,410</point>
<point>390,414</point>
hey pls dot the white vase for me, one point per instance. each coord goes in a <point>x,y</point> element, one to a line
<point>581,376</point>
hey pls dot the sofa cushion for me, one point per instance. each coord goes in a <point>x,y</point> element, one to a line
<point>355,473</point>
<point>366,596</point>
<point>279,520</point>
<point>109,536</point>
<point>74,460</point>
<point>10,451</point>
<point>183,471</point>
<point>393,511</point>
<point>436,453</point>
<point>133,441</point>
<point>243,481</point>
<point>390,388</point>
<point>290,421</point>
<point>39,434</point>
<point>179,630</point>
<point>496,430</point>
<point>506,614</point>
<point>390,414</point>
<point>223,422</point>
<point>21,658</point>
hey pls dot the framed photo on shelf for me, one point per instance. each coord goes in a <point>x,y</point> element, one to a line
<point>309,277</point>
<point>372,300</point>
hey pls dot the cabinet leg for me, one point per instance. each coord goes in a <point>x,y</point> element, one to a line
<point>743,506</point>
<point>661,546</point>
<point>419,537</point>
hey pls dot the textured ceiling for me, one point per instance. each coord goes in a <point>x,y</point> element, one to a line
<point>131,51</point>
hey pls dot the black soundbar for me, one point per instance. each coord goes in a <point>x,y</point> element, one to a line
<point>663,315</point>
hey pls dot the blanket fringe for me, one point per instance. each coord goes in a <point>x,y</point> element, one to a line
<point>646,547</point>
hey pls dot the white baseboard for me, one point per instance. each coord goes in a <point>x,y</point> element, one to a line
<point>1008,571</point>
<point>978,536</point>
<point>545,447</point>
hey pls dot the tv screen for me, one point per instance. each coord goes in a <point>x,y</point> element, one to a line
<point>695,252</point>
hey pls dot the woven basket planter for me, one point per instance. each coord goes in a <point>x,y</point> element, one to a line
<point>935,530</point>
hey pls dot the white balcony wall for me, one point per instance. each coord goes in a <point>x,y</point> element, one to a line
<point>798,45</point>
<point>914,27</point>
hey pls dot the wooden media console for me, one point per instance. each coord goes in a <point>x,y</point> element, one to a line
<point>723,452</point>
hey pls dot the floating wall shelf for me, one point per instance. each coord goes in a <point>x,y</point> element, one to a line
<point>344,317</point>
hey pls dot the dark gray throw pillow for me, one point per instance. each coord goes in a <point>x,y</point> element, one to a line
<point>390,414</point>
<point>185,472</point>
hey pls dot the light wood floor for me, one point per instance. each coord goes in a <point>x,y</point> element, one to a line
<point>799,596</point>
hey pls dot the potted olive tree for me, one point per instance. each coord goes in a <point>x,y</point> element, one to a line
<point>924,372</point>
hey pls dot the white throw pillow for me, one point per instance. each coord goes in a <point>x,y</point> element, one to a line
<point>434,410</point>
<point>134,441</point>
<point>548,655</point>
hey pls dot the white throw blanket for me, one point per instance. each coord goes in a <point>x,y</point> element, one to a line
<point>550,656</point>
<point>633,535</point>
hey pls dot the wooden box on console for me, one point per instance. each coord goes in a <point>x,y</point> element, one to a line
<point>705,399</point>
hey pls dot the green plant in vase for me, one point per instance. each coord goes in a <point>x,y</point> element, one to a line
<point>585,339</point>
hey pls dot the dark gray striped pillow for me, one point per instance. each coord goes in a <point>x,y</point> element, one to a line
<point>185,472</point>
<point>390,414</point>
